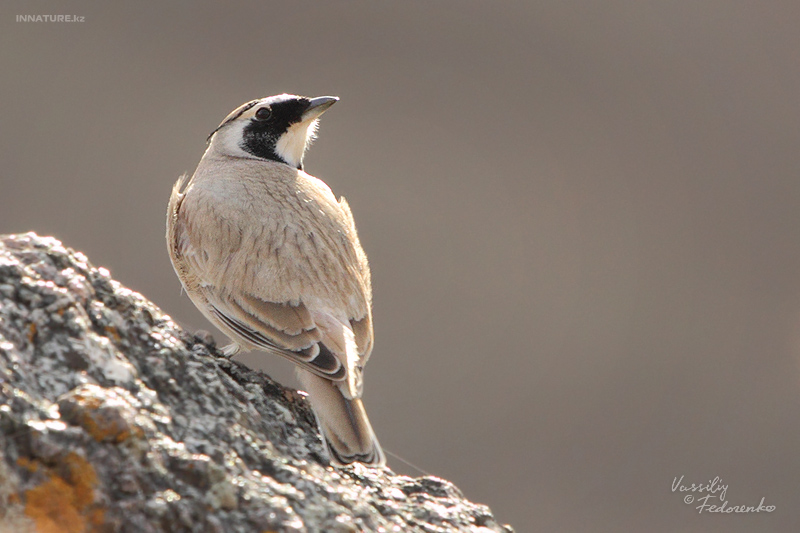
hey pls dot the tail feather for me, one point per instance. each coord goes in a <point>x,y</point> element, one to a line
<point>343,422</point>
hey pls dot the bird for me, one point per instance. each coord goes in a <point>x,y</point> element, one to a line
<point>271,257</point>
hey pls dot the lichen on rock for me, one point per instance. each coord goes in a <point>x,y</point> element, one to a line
<point>112,418</point>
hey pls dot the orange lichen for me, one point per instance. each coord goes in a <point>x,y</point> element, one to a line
<point>112,331</point>
<point>96,517</point>
<point>52,507</point>
<point>102,424</point>
<point>82,477</point>
<point>27,464</point>
<point>62,503</point>
<point>104,429</point>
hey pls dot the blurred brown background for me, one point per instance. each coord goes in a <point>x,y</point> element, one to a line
<point>582,219</point>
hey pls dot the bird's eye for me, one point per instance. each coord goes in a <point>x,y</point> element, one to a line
<point>264,113</point>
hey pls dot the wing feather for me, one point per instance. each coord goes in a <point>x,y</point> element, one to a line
<point>305,349</point>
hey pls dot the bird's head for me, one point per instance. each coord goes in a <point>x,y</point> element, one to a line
<point>277,128</point>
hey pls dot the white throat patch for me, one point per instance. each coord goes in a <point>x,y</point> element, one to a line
<point>293,144</point>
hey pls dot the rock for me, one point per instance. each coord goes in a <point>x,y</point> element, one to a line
<point>112,418</point>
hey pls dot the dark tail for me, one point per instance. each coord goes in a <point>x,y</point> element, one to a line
<point>343,422</point>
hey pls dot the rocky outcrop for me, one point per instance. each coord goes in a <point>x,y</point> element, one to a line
<point>112,418</point>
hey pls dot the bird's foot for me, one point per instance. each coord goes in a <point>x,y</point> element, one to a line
<point>230,350</point>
